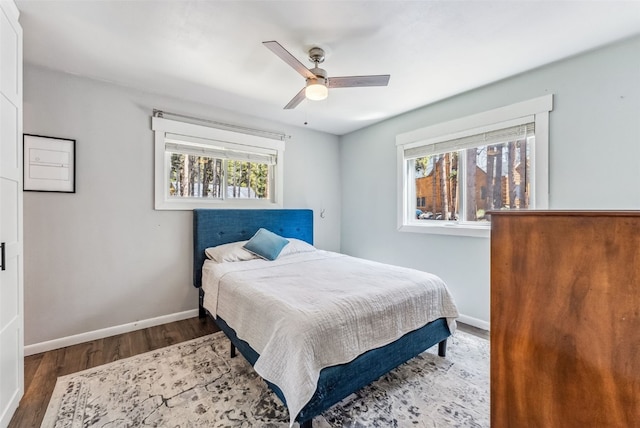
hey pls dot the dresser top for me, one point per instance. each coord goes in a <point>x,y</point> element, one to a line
<point>577,213</point>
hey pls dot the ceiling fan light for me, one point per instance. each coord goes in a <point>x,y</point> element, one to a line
<point>316,91</point>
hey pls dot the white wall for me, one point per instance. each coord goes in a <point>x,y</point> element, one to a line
<point>594,164</point>
<point>102,257</point>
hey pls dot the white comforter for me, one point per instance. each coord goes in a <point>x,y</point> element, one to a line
<point>307,311</point>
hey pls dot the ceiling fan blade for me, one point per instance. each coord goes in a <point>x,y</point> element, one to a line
<point>357,81</point>
<point>296,100</point>
<point>284,54</point>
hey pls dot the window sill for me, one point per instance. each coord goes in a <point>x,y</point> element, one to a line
<point>193,203</point>
<point>452,229</point>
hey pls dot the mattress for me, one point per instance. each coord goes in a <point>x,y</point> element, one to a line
<point>307,311</point>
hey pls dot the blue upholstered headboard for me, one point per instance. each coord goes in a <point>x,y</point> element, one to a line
<point>213,227</point>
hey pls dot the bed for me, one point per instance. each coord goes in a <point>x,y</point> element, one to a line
<point>217,227</point>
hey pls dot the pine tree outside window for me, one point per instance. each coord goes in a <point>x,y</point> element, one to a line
<point>452,175</point>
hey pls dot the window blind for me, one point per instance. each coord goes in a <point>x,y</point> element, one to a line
<point>218,149</point>
<point>502,135</point>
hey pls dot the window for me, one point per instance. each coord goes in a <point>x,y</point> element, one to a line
<point>459,171</point>
<point>198,166</point>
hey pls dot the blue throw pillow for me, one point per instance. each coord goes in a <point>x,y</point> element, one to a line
<point>266,244</point>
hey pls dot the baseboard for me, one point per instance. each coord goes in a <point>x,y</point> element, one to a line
<point>49,345</point>
<point>475,322</point>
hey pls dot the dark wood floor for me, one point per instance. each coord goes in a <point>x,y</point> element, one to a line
<point>42,370</point>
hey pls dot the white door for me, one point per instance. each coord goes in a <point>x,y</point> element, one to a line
<point>11,279</point>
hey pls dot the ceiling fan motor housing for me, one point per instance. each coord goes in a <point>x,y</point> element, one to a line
<point>318,81</point>
<point>319,73</point>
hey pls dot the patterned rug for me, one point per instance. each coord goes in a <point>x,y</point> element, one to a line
<point>197,384</point>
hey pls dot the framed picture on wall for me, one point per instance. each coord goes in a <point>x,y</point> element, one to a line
<point>49,164</point>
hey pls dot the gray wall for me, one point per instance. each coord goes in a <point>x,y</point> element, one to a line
<point>594,163</point>
<point>103,257</point>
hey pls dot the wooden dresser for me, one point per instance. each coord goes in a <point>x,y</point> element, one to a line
<point>565,319</point>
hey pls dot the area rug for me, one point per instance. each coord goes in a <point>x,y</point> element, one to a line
<point>197,384</point>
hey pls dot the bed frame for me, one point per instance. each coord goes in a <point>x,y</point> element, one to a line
<point>213,227</point>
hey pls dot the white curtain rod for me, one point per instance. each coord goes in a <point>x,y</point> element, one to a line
<point>221,125</point>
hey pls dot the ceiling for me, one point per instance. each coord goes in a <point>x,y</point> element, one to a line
<point>211,52</point>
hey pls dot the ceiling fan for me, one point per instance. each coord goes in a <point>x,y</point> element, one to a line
<point>317,83</point>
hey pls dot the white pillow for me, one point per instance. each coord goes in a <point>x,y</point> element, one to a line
<point>296,246</point>
<point>232,252</point>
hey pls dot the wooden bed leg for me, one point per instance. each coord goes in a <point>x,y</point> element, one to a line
<point>307,424</point>
<point>442,348</point>
<point>232,350</point>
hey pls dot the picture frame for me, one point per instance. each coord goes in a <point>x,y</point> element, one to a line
<point>49,164</point>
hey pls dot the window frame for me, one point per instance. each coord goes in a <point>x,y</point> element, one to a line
<point>162,199</point>
<point>537,109</point>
